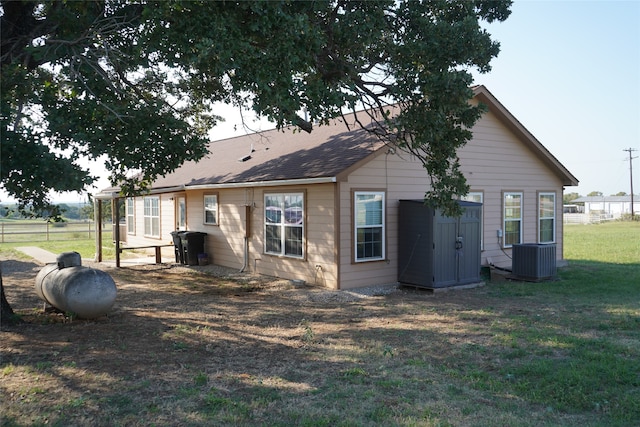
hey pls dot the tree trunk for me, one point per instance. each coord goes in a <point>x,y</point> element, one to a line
<point>7,316</point>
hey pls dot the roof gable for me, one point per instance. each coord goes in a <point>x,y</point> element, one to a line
<point>482,94</point>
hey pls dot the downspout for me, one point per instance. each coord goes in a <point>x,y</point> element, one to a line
<point>247,234</point>
<point>246,255</point>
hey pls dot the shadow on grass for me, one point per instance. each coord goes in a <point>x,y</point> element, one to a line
<point>208,350</point>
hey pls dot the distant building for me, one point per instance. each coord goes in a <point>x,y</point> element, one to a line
<point>572,209</point>
<point>610,206</point>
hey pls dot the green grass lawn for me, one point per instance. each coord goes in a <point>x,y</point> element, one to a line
<point>581,351</point>
<point>612,242</point>
<point>86,247</point>
<point>559,353</point>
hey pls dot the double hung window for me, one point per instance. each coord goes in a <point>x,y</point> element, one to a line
<point>152,216</point>
<point>512,219</point>
<point>369,223</point>
<point>211,209</point>
<point>546,217</point>
<point>284,224</point>
<point>131,218</point>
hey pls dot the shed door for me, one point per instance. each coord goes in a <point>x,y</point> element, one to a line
<point>469,252</point>
<point>457,249</point>
<point>445,260</point>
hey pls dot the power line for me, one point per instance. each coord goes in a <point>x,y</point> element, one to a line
<point>630,151</point>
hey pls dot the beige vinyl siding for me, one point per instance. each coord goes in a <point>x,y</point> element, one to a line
<point>319,264</point>
<point>224,242</point>
<point>321,250</point>
<point>400,177</point>
<point>495,161</point>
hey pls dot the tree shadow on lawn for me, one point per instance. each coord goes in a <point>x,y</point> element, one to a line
<point>19,269</point>
<point>196,346</point>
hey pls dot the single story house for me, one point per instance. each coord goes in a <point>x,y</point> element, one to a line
<point>611,207</point>
<point>323,207</point>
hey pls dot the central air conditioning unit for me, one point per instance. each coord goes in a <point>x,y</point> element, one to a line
<point>534,261</point>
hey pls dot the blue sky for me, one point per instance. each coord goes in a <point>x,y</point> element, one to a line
<point>570,73</point>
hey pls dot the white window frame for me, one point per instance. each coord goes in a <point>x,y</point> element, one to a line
<point>542,217</point>
<point>151,216</point>
<point>477,197</point>
<point>131,215</point>
<point>212,210</point>
<point>359,225</point>
<point>508,217</point>
<point>293,206</point>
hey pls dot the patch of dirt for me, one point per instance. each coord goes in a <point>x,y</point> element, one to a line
<point>173,326</point>
<point>154,299</point>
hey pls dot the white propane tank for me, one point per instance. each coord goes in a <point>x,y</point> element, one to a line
<point>70,287</point>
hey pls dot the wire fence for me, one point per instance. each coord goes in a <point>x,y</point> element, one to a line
<point>38,231</point>
<point>587,218</point>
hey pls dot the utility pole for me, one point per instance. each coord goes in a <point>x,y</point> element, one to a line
<point>630,151</point>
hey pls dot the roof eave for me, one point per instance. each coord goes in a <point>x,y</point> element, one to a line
<point>115,193</point>
<point>274,183</point>
<point>105,195</point>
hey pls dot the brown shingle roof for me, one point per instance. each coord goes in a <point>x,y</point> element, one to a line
<point>276,156</point>
<point>295,155</point>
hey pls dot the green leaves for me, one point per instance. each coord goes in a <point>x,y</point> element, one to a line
<point>135,82</point>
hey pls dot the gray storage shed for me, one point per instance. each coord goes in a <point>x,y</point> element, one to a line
<point>436,251</point>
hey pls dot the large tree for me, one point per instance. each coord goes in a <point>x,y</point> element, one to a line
<point>134,81</point>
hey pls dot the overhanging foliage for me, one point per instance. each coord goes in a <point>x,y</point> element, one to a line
<point>135,81</point>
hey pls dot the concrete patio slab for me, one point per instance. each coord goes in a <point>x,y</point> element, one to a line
<point>38,254</point>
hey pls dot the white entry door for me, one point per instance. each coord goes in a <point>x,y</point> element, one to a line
<point>181,213</point>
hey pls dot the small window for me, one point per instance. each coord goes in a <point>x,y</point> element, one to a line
<point>131,218</point>
<point>512,219</point>
<point>547,217</point>
<point>284,224</point>
<point>211,209</point>
<point>369,224</point>
<point>152,216</point>
<point>478,197</point>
